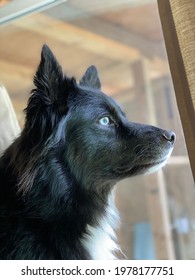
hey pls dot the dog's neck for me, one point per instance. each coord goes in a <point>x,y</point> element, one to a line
<point>100,239</point>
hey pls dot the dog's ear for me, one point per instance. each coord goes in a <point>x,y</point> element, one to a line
<point>91,78</point>
<point>49,75</point>
<point>48,101</point>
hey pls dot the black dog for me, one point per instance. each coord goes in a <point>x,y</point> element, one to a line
<point>57,178</point>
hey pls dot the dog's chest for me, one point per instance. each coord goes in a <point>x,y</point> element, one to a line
<point>100,241</point>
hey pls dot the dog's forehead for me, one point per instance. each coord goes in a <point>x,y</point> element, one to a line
<point>112,106</point>
<point>98,99</point>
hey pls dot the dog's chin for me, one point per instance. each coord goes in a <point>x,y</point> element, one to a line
<point>153,167</point>
<point>139,169</point>
<point>145,168</point>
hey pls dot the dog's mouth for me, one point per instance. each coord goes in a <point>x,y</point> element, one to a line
<point>147,167</point>
<point>141,168</point>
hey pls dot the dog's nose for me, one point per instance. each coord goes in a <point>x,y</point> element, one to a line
<point>169,136</point>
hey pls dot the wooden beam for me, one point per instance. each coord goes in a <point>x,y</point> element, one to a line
<point>69,34</point>
<point>155,184</point>
<point>178,23</point>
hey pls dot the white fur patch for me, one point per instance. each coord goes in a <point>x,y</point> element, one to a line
<point>100,241</point>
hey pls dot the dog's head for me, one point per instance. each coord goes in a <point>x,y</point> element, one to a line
<point>93,135</point>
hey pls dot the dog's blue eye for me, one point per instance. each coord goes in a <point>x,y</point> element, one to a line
<point>105,121</point>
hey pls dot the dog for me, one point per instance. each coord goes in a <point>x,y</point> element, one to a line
<point>57,178</point>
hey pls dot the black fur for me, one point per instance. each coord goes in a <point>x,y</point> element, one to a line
<point>55,179</point>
